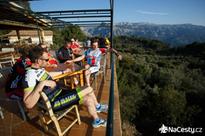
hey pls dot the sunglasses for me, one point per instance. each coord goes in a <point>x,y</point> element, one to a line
<point>45,59</point>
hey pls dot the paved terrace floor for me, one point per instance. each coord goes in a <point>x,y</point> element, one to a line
<point>13,125</point>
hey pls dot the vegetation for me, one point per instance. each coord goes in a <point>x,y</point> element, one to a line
<point>160,85</point>
<point>60,35</point>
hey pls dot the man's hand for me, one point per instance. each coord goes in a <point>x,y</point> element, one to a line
<point>67,70</point>
<point>119,57</point>
<point>49,83</point>
<point>69,62</point>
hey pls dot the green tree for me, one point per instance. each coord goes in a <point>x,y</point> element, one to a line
<point>73,31</point>
<point>58,40</point>
<point>65,34</point>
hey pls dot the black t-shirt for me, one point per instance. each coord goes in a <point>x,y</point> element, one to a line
<point>64,54</point>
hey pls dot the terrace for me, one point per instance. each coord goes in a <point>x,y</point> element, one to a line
<point>15,18</point>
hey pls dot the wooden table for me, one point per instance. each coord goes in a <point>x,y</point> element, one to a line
<point>79,73</point>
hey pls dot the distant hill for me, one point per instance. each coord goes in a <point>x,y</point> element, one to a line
<point>174,35</point>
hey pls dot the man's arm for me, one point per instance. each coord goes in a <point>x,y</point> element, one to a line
<point>76,59</point>
<point>116,53</point>
<point>31,97</point>
<point>56,73</point>
<point>72,56</point>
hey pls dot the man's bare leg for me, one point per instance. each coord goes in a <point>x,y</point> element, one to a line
<point>87,77</point>
<point>88,101</point>
<point>89,91</point>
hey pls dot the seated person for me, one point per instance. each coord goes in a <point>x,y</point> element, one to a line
<point>75,47</point>
<point>14,83</point>
<point>102,42</point>
<point>53,64</point>
<point>108,48</point>
<point>52,61</point>
<point>65,53</point>
<point>93,57</point>
<point>88,43</point>
<point>37,80</point>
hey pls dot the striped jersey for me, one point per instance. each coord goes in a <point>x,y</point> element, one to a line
<point>93,57</point>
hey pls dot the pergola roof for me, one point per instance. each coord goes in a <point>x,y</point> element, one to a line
<point>88,17</point>
<point>13,16</point>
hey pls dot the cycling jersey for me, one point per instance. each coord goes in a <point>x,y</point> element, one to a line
<point>59,98</point>
<point>93,58</point>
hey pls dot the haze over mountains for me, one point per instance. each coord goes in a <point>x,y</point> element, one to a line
<point>174,35</point>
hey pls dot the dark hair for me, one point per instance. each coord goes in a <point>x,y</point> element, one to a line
<point>40,44</point>
<point>93,40</point>
<point>35,53</point>
<point>66,40</point>
<point>24,52</point>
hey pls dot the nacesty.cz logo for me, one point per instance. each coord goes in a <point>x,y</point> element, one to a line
<point>166,129</point>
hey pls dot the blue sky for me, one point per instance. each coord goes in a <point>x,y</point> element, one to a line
<point>151,11</point>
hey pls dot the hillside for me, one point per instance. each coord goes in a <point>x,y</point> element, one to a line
<point>160,85</point>
<point>174,35</point>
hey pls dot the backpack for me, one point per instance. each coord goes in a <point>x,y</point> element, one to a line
<point>14,83</point>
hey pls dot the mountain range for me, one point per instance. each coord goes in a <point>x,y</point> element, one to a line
<point>173,35</point>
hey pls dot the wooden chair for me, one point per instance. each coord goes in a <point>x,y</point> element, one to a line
<point>46,113</point>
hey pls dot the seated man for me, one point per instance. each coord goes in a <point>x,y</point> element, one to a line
<point>88,43</point>
<point>65,53</point>
<point>37,80</point>
<point>107,44</point>
<point>52,61</point>
<point>107,48</point>
<point>93,57</point>
<point>75,47</point>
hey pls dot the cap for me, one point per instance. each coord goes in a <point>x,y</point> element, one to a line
<point>72,40</point>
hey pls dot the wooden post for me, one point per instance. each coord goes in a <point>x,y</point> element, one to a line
<point>42,36</point>
<point>18,36</point>
<point>39,35</point>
